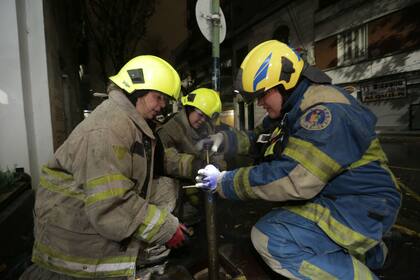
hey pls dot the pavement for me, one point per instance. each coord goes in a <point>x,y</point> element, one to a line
<point>235,220</point>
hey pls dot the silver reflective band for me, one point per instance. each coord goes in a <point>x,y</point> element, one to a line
<point>87,267</point>
<point>263,138</point>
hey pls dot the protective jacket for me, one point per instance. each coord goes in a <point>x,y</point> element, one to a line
<point>181,158</point>
<point>92,210</point>
<point>325,153</point>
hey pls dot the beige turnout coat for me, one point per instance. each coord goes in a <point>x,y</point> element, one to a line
<point>92,210</point>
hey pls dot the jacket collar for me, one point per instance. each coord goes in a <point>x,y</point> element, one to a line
<point>296,95</point>
<point>118,97</point>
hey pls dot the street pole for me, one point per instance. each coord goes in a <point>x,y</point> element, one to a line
<point>210,197</point>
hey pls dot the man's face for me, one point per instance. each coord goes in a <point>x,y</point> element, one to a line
<point>150,104</point>
<point>272,102</point>
<point>197,118</point>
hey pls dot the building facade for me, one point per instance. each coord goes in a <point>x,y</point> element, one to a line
<point>372,46</point>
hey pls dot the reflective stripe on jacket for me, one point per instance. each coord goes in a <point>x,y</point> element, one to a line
<point>90,219</point>
<point>333,159</point>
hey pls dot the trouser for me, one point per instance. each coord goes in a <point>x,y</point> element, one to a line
<point>302,250</point>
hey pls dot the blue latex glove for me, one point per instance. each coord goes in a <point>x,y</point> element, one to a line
<point>207,178</point>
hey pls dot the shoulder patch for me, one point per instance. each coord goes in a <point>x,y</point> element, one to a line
<point>316,118</point>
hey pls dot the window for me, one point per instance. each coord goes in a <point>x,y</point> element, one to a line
<point>352,46</point>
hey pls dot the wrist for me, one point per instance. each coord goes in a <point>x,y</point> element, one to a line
<point>219,187</point>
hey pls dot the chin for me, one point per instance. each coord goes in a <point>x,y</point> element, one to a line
<point>274,115</point>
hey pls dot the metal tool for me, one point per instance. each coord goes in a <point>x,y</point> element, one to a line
<point>211,228</point>
<point>189,186</point>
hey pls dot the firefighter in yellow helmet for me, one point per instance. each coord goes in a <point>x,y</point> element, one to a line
<point>97,206</point>
<point>180,134</point>
<point>185,128</point>
<point>321,150</point>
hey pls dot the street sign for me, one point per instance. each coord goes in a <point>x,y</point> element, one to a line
<point>204,18</point>
<point>383,90</point>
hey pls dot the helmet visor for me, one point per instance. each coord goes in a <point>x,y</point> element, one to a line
<point>247,97</point>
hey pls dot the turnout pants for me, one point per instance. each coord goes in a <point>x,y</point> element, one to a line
<point>298,249</point>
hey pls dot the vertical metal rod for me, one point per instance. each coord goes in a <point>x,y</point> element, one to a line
<point>213,265</point>
<point>210,198</point>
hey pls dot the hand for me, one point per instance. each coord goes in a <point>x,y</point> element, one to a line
<point>178,238</point>
<point>207,178</point>
<point>204,144</point>
<point>215,140</point>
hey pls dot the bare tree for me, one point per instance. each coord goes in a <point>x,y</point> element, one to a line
<point>115,28</point>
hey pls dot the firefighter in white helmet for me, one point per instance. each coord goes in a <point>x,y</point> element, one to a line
<point>97,205</point>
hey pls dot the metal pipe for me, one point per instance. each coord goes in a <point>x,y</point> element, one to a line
<point>210,203</point>
<point>213,258</point>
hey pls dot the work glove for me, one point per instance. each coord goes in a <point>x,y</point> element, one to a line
<point>207,178</point>
<point>179,237</point>
<point>216,141</point>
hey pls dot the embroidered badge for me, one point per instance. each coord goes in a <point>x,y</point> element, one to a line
<point>317,118</point>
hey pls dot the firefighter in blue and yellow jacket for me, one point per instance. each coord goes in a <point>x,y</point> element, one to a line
<point>322,153</point>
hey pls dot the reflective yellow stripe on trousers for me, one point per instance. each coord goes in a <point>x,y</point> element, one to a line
<point>356,243</point>
<point>314,272</point>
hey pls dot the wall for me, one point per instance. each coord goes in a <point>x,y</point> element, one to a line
<point>347,14</point>
<point>166,29</point>
<point>25,124</point>
<point>62,37</point>
<point>298,16</point>
<point>13,144</point>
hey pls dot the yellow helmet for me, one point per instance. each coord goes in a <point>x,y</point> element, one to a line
<point>267,65</point>
<point>204,99</point>
<point>150,73</point>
